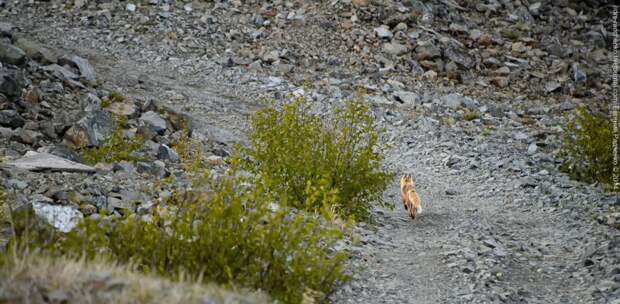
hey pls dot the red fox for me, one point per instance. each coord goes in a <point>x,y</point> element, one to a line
<point>411,200</point>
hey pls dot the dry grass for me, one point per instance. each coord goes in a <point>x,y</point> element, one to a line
<point>36,279</point>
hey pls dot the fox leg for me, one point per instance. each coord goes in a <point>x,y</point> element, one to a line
<point>405,204</point>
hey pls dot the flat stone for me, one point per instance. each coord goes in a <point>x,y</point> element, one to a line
<point>35,161</point>
<point>394,48</point>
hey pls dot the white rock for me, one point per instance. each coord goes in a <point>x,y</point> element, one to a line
<point>63,218</point>
<point>130,7</point>
<point>532,149</point>
<point>383,32</point>
<point>407,97</point>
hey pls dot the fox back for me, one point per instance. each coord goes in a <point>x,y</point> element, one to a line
<point>411,199</point>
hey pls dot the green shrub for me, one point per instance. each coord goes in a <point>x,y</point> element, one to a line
<point>227,232</point>
<point>587,148</point>
<point>471,115</point>
<point>231,237</point>
<point>301,156</point>
<point>115,148</point>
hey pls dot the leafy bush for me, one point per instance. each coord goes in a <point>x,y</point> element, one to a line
<point>588,148</point>
<point>233,237</point>
<point>232,234</point>
<point>301,156</point>
<point>115,148</point>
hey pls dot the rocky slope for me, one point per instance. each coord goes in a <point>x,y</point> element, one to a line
<point>472,95</point>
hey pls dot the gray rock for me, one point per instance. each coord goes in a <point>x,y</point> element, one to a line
<point>520,136</point>
<point>394,48</point>
<point>91,130</point>
<point>28,137</point>
<point>63,218</point>
<point>130,7</point>
<point>145,208</point>
<point>17,184</point>
<point>459,57</point>
<point>86,70</point>
<point>156,168</point>
<point>534,8</point>
<point>531,150</point>
<point>11,119</point>
<point>452,101</point>
<point>407,97</point>
<point>60,72</point>
<point>11,83</point>
<point>154,121</point>
<point>579,75</point>
<point>427,51</point>
<point>6,29</point>
<point>451,191</point>
<point>11,54</point>
<point>552,86</point>
<point>35,161</point>
<point>123,166</point>
<point>383,32</point>
<point>36,51</point>
<point>167,153</point>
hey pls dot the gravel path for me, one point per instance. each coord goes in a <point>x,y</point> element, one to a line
<point>499,225</point>
<point>483,237</point>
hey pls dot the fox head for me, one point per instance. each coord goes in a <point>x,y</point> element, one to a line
<point>407,180</point>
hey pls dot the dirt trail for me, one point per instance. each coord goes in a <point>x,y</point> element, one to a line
<point>482,237</point>
<point>466,247</point>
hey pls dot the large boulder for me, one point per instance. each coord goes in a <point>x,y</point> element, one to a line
<point>11,54</point>
<point>91,130</point>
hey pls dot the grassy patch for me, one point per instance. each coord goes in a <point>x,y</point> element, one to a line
<point>112,98</point>
<point>471,115</point>
<point>115,148</point>
<point>309,161</point>
<point>26,279</point>
<point>228,232</point>
<point>587,148</point>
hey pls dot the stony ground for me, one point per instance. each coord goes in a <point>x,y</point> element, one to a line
<point>472,97</point>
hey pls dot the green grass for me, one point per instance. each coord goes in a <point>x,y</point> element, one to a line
<point>471,115</point>
<point>115,148</point>
<point>112,98</point>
